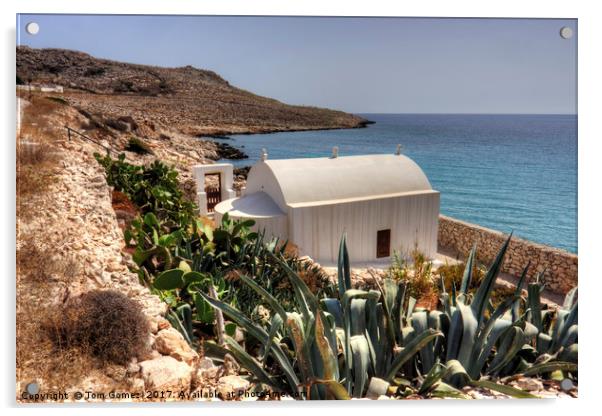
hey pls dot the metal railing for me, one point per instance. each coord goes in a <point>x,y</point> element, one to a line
<point>80,134</point>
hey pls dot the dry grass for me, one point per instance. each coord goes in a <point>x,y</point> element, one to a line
<point>37,153</point>
<point>35,263</point>
<point>137,145</point>
<point>39,359</point>
<point>418,274</point>
<point>453,274</point>
<point>104,323</point>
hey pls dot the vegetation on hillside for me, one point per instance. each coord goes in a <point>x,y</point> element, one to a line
<point>231,291</point>
<point>176,252</point>
<point>377,342</point>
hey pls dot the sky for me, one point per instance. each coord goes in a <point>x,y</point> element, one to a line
<point>358,65</point>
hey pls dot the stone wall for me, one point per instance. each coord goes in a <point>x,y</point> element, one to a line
<point>456,238</point>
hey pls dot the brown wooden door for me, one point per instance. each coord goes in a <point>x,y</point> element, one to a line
<point>383,243</point>
<point>214,193</point>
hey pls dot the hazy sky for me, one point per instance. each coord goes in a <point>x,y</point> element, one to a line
<point>361,65</point>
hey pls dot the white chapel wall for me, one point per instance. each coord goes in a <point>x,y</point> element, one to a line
<point>412,219</point>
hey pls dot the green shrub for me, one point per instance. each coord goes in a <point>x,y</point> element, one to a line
<point>138,146</point>
<point>176,265</point>
<point>168,236</point>
<point>153,188</point>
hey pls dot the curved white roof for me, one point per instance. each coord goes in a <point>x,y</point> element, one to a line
<point>256,205</point>
<point>309,181</point>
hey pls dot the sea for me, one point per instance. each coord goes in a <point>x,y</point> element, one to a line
<point>506,172</point>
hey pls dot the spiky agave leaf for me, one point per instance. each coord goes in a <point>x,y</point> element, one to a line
<point>348,297</point>
<point>564,321</point>
<point>462,333</point>
<point>481,348</point>
<point>271,300</point>
<point>432,378</point>
<point>260,334</point>
<point>327,355</point>
<point>306,300</point>
<point>467,277</point>
<point>248,362</point>
<point>502,388</point>
<point>361,363</point>
<point>481,298</point>
<point>549,367</point>
<point>275,326</point>
<point>455,374</point>
<point>343,269</point>
<point>302,341</point>
<point>336,389</point>
<point>410,349</point>
<point>518,292</point>
<point>570,299</point>
<point>511,342</point>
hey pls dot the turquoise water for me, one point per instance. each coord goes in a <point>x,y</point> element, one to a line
<point>506,172</point>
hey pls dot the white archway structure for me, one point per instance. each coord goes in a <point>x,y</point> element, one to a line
<point>226,180</point>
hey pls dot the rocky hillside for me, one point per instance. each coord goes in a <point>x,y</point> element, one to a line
<point>188,100</point>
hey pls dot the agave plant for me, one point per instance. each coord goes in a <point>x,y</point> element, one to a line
<point>325,348</point>
<point>558,332</point>
<point>477,330</point>
<point>340,347</point>
<point>485,342</point>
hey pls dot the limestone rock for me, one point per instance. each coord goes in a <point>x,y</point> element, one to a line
<point>162,323</point>
<point>170,342</point>
<point>206,371</point>
<point>166,373</point>
<point>206,364</point>
<point>231,387</point>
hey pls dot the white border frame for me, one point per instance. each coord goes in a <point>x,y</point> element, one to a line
<point>590,28</point>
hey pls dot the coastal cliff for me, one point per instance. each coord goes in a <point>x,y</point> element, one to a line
<point>186,100</point>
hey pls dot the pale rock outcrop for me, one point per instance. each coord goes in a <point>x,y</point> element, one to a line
<point>166,373</point>
<point>170,342</point>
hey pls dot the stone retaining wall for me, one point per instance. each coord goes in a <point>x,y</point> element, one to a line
<point>457,237</point>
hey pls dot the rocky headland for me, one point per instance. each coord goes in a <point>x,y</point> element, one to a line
<point>187,100</point>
